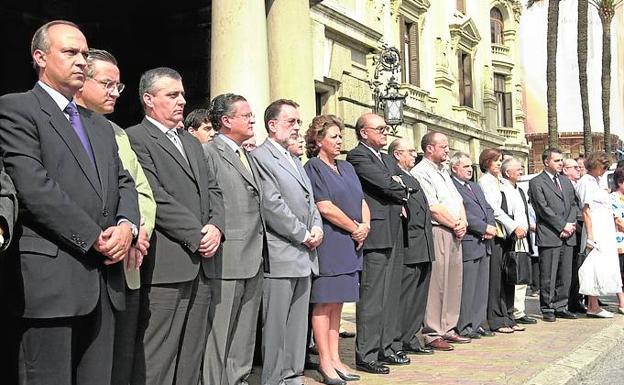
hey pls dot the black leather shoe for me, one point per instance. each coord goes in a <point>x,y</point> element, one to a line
<point>401,354</point>
<point>526,320</point>
<point>548,317</point>
<point>346,334</point>
<point>578,307</point>
<point>394,359</point>
<point>347,376</point>
<point>331,381</point>
<point>565,314</point>
<point>417,350</point>
<point>373,367</point>
<point>485,333</point>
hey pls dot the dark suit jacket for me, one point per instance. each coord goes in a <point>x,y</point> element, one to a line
<point>242,252</point>
<point>383,195</point>
<point>187,198</point>
<point>65,202</point>
<point>553,209</point>
<point>416,228</point>
<point>8,206</point>
<point>479,214</point>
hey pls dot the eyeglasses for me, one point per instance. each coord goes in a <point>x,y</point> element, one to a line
<point>381,130</point>
<point>412,151</point>
<point>292,122</point>
<point>248,116</point>
<point>111,85</point>
<point>574,167</point>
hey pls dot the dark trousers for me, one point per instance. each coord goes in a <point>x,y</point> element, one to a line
<point>172,332</point>
<point>125,338</point>
<point>474,299</point>
<point>500,294</point>
<point>375,328</point>
<point>535,274</point>
<point>411,312</point>
<point>555,277</point>
<point>69,350</point>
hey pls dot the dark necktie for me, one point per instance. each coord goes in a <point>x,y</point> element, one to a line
<point>76,123</point>
<point>556,179</point>
<point>472,194</point>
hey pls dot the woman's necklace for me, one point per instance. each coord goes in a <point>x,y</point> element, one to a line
<point>331,165</point>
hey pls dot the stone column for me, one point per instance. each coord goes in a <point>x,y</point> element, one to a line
<point>239,54</point>
<point>290,55</point>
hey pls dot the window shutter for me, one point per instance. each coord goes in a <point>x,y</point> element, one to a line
<point>403,32</point>
<point>467,65</point>
<point>414,50</point>
<point>460,75</point>
<point>508,110</point>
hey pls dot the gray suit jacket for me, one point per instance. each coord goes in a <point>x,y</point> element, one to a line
<point>289,211</point>
<point>187,198</point>
<point>241,254</point>
<point>553,209</point>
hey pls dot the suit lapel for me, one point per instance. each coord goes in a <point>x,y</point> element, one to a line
<point>285,164</point>
<point>100,154</point>
<point>61,125</point>
<point>190,155</point>
<point>230,156</point>
<point>551,184</point>
<point>166,144</point>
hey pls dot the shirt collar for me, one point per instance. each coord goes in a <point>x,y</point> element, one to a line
<point>461,182</point>
<point>377,153</point>
<point>160,126</point>
<point>229,142</point>
<point>280,148</point>
<point>551,176</point>
<point>432,164</point>
<point>60,100</point>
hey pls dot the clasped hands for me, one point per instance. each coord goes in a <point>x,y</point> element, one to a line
<point>360,233</point>
<point>210,241</point>
<point>460,228</point>
<point>114,242</point>
<point>568,230</point>
<point>490,232</point>
<point>315,238</point>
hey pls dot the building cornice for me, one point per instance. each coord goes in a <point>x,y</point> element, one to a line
<point>353,30</point>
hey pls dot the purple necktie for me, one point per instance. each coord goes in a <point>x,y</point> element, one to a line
<point>76,123</point>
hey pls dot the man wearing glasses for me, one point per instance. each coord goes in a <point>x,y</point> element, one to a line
<point>99,93</point>
<point>380,282</point>
<point>294,230</point>
<point>572,170</point>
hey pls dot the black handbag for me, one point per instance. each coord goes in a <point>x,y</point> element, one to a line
<point>517,265</point>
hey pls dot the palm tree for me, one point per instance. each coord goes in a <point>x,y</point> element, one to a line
<point>551,68</point>
<point>606,11</point>
<point>581,42</point>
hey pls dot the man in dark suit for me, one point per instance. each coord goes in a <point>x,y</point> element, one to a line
<point>8,208</point>
<point>190,221</point>
<point>235,272</point>
<point>556,209</point>
<point>415,249</point>
<point>380,281</point>
<point>78,215</point>
<point>475,248</point>
<point>294,230</point>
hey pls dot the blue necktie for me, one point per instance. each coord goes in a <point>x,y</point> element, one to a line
<point>76,123</point>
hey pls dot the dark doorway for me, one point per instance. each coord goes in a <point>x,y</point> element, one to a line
<point>142,34</point>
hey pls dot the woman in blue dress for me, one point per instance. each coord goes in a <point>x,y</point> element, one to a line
<point>346,222</point>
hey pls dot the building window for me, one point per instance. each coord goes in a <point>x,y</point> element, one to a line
<point>410,47</point>
<point>496,26</point>
<point>464,71</point>
<point>461,6</point>
<point>503,102</point>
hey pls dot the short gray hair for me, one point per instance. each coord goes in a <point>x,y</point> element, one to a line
<point>150,77</point>
<point>41,40</point>
<point>101,55</point>
<point>507,164</point>
<point>457,157</point>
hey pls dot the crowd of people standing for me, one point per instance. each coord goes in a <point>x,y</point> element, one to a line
<point>151,254</point>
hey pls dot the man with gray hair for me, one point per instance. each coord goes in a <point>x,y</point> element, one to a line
<point>475,249</point>
<point>449,227</point>
<point>190,222</point>
<point>518,209</point>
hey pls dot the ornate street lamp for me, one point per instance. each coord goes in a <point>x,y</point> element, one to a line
<point>391,102</point>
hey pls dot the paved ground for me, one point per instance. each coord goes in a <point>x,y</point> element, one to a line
<point>544,354</point>
<point>609,370</point>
